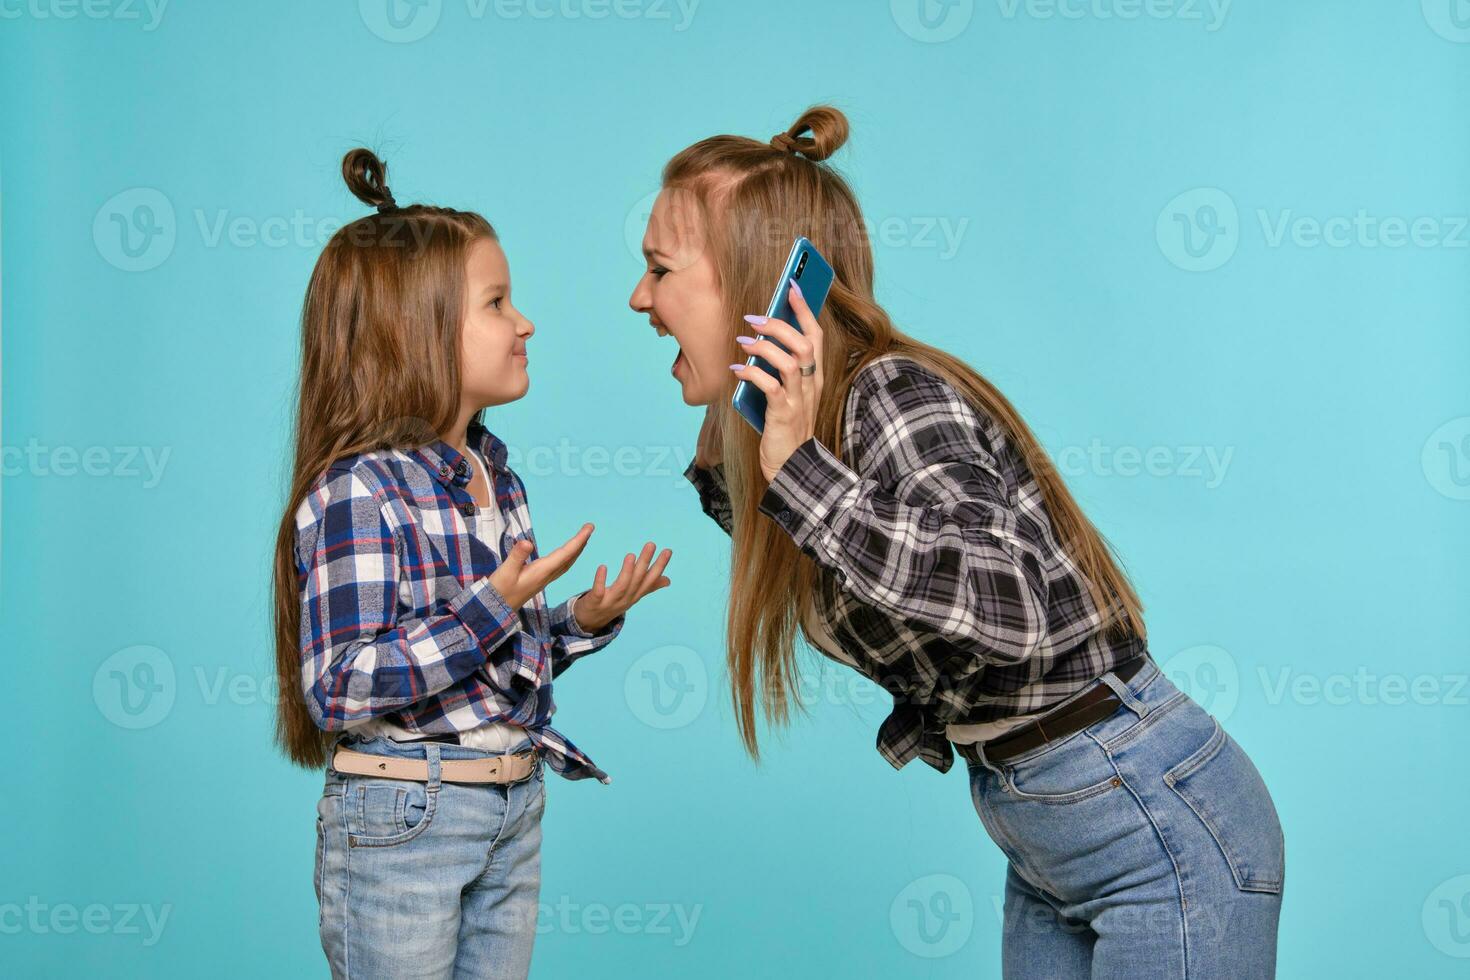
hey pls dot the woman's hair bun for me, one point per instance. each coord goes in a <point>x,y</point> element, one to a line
<point>828,128</point>
<point>367,178</point>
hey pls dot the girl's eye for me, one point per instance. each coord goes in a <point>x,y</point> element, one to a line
<point>495,303</point>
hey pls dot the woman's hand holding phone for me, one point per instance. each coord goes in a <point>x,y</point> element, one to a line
<point>791,401</point>
<point>639,576</point>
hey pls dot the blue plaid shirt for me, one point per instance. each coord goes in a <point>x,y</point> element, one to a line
<point>398,616</point>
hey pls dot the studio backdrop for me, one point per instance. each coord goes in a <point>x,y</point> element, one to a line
<point>1216,252</point>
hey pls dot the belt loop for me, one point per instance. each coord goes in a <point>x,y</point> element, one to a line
<point>1129,699</point>
<point>995,767</point>
<point>431,755</point>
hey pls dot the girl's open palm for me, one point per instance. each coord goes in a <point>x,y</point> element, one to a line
<point>639,576</point>
<point>518,582</point>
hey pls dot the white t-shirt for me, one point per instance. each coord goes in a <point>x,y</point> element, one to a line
<point>959,734</point>
<point>487,524</point>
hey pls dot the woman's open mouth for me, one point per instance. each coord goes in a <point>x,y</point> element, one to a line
<point>678,361</point>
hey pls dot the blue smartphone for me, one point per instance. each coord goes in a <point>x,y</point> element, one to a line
<point>812,273</point>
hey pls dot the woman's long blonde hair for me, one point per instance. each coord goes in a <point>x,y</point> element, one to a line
<point>380,331</point>
<point>756,198</point>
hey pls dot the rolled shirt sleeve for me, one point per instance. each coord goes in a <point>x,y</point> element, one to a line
<point>714,494</point>
<point>571,642</point>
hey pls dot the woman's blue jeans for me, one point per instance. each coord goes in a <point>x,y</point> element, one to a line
<point>1143,846</point>
<point>428,879</point>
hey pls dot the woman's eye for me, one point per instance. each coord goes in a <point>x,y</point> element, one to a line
<point>658,271</point>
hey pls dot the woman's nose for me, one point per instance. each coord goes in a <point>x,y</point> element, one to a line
<point>640,300</point>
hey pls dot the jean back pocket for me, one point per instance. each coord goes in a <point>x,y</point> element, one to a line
<point>1224,789</point>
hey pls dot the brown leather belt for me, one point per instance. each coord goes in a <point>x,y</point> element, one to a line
<point>1093,706</point>
<point>490,769</point>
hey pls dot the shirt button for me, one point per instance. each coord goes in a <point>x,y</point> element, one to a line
<point>468,509</point>
<point>444,473</point>
<point>784,517</point>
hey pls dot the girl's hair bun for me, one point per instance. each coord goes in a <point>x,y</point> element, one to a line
<point>367,178</point>
<point>828,128</point>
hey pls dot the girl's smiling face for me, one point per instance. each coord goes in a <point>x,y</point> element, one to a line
<point>492,342</point>
<point>680,294</point>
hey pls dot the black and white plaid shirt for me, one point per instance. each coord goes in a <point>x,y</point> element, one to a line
<point>941,575</point>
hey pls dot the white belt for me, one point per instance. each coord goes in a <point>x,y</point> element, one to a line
<point>491,769</point>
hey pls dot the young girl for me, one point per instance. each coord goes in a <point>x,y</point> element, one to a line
<point>415,649</point>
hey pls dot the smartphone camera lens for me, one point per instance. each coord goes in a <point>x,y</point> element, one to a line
<point>800,264</point>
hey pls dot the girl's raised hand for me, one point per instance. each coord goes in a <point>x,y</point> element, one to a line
<point>791,400</point>
<point>518,582</point>
<point>603,603</point>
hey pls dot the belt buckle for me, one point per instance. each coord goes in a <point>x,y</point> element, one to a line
<point>535,761</point>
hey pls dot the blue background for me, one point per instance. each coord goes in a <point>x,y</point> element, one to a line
<point>1085,159</point>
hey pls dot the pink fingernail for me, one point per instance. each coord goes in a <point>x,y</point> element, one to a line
<point>757,320</point>
<point>745,340</point>
<point>797,288</point>
<point>736,367</point>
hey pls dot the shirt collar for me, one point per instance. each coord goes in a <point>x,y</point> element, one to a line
<point>449,465</point>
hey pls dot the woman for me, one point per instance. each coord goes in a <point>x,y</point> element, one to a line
<point>899,510</point>
<point>415,646</point>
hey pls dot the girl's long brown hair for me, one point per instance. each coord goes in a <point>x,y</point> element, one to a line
<point>755,199</point>
<point>379,369</point>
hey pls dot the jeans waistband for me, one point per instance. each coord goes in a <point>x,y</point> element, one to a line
<point>1124,691</point>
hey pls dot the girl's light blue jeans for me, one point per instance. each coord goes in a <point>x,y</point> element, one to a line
<point>1143,846</point>
<point>428,879</point>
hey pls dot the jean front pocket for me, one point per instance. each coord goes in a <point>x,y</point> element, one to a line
<point>1223,788</point>
<point>1072,770</point>
<point>384,812</point>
